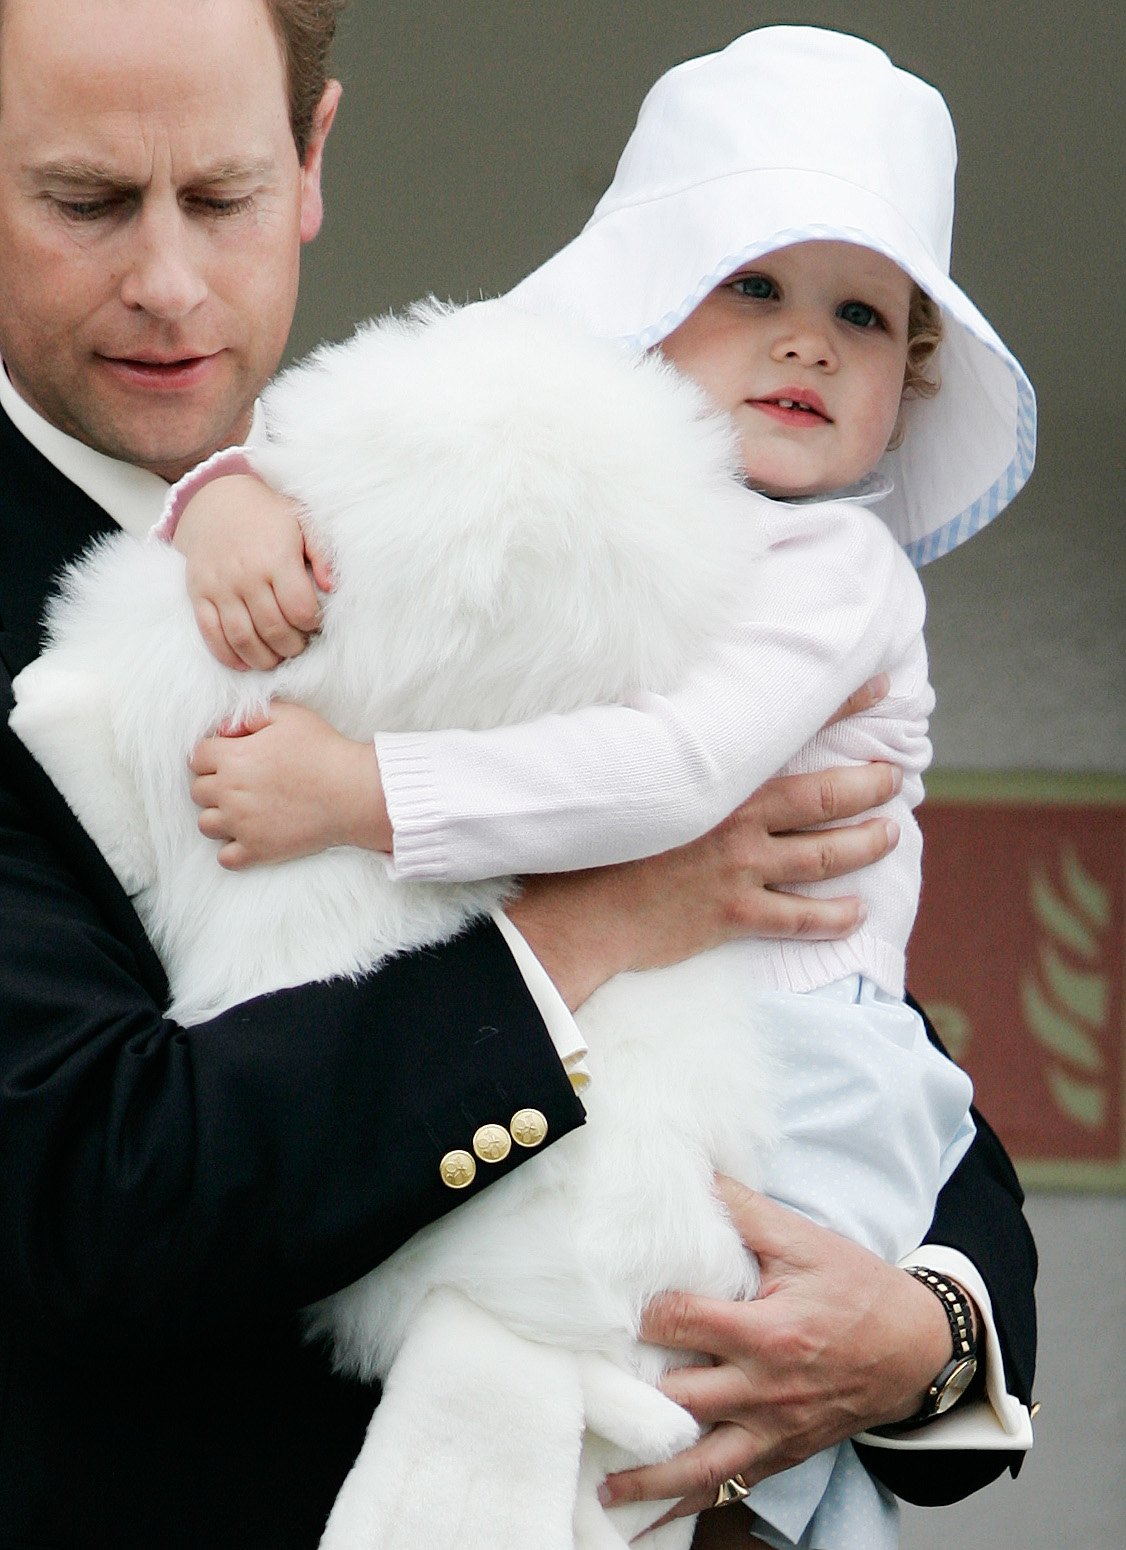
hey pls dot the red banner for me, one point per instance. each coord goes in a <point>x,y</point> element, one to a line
<point>1019,956</point>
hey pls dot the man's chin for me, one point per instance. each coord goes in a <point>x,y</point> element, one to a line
<point>170,447</point>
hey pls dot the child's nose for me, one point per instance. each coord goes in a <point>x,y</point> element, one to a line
<point>806,343</point>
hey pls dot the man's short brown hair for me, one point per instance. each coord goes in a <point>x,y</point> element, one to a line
<point>305,30</point>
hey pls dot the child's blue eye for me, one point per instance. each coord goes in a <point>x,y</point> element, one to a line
<point>758,287</point>
<point>859,314</point>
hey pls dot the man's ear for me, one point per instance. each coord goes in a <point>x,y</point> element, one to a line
<point>312,201</point>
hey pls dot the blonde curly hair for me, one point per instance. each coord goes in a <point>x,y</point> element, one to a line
<point>924,335</point>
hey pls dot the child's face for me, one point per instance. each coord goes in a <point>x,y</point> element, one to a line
<point>807,350</point>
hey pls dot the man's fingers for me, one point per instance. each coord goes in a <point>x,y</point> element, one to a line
<point>863,700</point>
<point>794,917</point>
<point>827,853</point>
<point>800,801</point>
<point>693,1477</point>
<point>691,1323</point>
<point>774,1233</point>
<point>710,1394</point>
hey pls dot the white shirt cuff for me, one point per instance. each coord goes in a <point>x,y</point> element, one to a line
<point>561,1026</point>
<point>995,1420</point>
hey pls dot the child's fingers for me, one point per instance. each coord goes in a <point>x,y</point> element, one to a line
<point>206,795</point>
<point>212,825</point>
<point>297,603</point>
<point>241,634</point>
<point>282,634</point>
<point>211,628</point>
<point>248,725</point>
<point>234,857</point>
<point>204,760</point>
<point>318,563</point>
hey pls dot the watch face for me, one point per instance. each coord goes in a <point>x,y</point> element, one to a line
<point>955,1384</point>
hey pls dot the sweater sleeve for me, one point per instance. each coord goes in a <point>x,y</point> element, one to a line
<point>230,460</point>
<point>831,603</point>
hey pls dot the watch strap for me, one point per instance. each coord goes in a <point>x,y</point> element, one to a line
<point>957,1307</point>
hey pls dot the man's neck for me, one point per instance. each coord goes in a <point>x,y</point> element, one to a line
<point>132,496</point>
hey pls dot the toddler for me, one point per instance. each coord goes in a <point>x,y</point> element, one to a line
<point>779,228</point>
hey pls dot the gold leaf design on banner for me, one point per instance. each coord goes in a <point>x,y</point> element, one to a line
<point>1065,923</point>
<point>1065,1001</point>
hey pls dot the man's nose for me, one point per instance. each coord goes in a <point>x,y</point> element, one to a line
<point>163,276</point>
<point>805,341</point>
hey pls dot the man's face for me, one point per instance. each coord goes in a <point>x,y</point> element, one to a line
<point>152,210</point>
<point>806,348</point>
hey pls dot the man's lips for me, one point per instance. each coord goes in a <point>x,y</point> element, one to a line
<point>793,406</point>
<point>160,372</point>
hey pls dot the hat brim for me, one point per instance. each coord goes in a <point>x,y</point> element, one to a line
<point>637,271</point>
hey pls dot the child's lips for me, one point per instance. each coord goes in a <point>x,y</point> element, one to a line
<point>794,406</point>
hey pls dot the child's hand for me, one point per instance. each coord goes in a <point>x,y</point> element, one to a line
<point>251,575</point>
<point>287,785</point>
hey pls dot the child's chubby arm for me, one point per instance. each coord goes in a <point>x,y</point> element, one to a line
<point>251,574</point>
<point>287,785</point>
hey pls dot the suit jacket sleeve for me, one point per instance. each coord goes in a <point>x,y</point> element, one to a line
<point>159,1183</point>
<point>979,1213</point>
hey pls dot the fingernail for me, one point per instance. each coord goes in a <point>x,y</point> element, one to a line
<point>878,687</point>
<point>892,832</point>
<point>896,778</point>
<point>605,1495</point>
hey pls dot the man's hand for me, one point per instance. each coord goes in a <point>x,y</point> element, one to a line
<point>587,926</point>
<point>838,1341</point>
<point>251,575</point>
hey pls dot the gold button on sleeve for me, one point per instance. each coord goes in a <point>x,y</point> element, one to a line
<point>492,1143</point>
<point>457,1169</point>
<point>528,1127</point>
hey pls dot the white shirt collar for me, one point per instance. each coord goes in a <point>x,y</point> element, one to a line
<point>133,497</point>
<point>867,491</point>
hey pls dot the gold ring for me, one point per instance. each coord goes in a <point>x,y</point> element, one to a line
<point>731,1490</point>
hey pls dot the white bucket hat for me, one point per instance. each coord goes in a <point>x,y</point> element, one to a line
<point>792,134</point>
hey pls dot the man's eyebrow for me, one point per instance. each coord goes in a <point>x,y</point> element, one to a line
<point>67,169</point>
<point>81,171</point>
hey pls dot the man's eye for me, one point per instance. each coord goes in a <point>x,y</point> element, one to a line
<point>758,287</point>
<point>859,314</point>
<point>84,209</point>
<point>213,204</point>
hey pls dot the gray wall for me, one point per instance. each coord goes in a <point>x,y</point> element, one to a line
<point>474,139</point>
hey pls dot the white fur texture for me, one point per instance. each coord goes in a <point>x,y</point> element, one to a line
<point>519,521</point>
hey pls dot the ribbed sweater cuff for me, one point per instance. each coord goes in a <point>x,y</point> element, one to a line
<point>420,844</point>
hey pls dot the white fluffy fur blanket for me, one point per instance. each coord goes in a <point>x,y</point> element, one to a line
<point>519,521</point>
